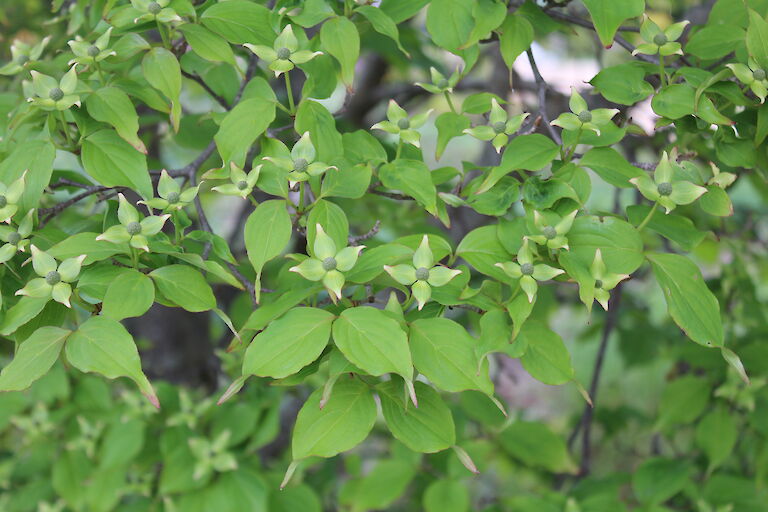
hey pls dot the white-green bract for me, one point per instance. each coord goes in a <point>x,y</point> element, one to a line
<point>440,255</point>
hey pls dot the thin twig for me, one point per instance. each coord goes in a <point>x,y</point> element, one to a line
<point>541,85</point>
<point>196,78</point>
<point>585,424</point>
<point>355,240</point>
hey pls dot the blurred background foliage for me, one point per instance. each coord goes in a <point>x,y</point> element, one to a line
<point>675,428</point>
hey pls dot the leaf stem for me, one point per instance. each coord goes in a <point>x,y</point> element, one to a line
<point>399,148</point>
<point>65,128</point>
<point>648,217</point>
<point>662,71</point>
<point>450,102</point>
<point>163,35</point>
<point>289,92</point>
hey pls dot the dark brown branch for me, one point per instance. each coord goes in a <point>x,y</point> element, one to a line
<point>196,78</point>
<point>355,240</point>
<point>542,92</point>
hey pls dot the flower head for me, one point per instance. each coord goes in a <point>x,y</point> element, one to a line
<point>581,118</point>
<point>16,238</point>
<point>23,55</point>
<point>212,455</point>
<point>423,274</point>
<point>500,126</point>
<point>527,272</point>
<point>440,84</point>
<point>301,165</point>
<point>552,228</point>
<point>154,10</point>
<point>242,183</point>
<point>753,76</point>
<point>171,198</point>
<point>399,124</point>
<point>87,53</point>
<point>328,264</point>
<point>665,188</point>
<point>132,228</point>
<point>50,94</point>
<point>660,42</point>
<point>285,53</point>
<point>601,284</point>
<point>55,278</point>
<point>10,195</point>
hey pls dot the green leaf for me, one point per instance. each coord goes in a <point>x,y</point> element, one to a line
<point>240,21</point>
<point>658,479</point>
<point>716,202</point>
<point>185,287</point>
<point>444,352</point>
<point>344,421</point>
<point>288,344</point>
<point>716,435</point>
<point>131,294</point>
<point>114,163</point>
<point>624,84</point>
<point>162,71</point>
<point>610,166</point>
<point>207,44</point>
<point>757,39</point>
<point>103,346</point>
<point>401,10</point>
<point>111,105</point>
<point>715,41</point>
<point>535,445</point>
<point>351,182</point>
<point>482,249</point>
<point>445,495</point>
<point>545,358</point>
<point>426,429</point>
<point>267,232</point>
<point>608,15</point>
<point>382,24</point>
<point>619,243</point>
<point>36,157</point>
<point>450,22</point>
<point>412,177</point>
<point>683,400</point>
<point>378,489</point>
<point>674,101</point>
<point>314,118</point>
<point>449,125</point>
<point>242,126</point>
<point>34,357</point>
<point>340,38</point>
<point>690,303</point>
<point>528,152</point>
<point>516,36</point>
<point>676,228</point>
<point>22,312</point>
<point>334,221</point>
<point>373,341</point>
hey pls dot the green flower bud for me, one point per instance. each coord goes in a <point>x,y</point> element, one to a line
<point>154,8</point>
<point>549,232</point>
<point>52,278</point>
<point>23,59</point>
<point>300,164</point>
<point>443,84</point>
<point>329,264</point>
<point>759,75</point>
<point>499,126</point>
<point>56,94</point>
<point>14,238</point>
<point>585,116</point>
<point>526,269</point>
<point>660,39</point>
<point>598,284</point>
<point>3,201</point>
<point>404,124</point>
<point>283,53</point>
<point>422,273</point>
<point>133,228</point>
<point>93,50</point>
<point>664,189</point>
<point>173,197</point>
<point>242,185</point>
